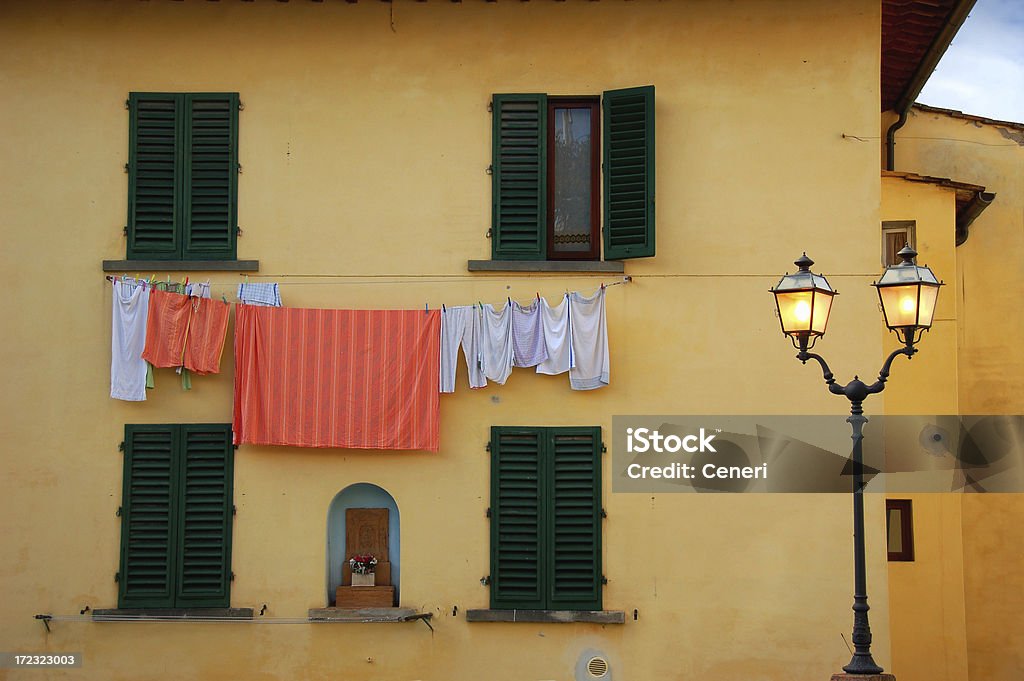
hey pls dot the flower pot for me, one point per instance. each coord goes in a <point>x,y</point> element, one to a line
<point>369,579</point>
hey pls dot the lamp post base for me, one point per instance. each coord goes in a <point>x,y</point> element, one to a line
<point>843,676</point>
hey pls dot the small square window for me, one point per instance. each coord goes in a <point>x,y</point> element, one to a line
<point>899,526</point>
<point>896,235</point>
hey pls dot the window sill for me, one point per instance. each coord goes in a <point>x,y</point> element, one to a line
<point>181,265</point>
<point>601,267</point>
<point>170,614</point>
<point>357,615</point>
<point>548,616</point>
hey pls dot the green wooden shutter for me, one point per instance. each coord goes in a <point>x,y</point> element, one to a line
<point>519,177</point>
<point>147,517</point>
<point>574,503</point>
<point>517,525</point>
<point>629,173</point>
<point>210,184</point>
<point>204,516</point>
<point>154,168</point>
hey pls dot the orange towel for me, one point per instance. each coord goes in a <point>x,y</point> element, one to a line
<point>364,379</point>
<point>185,331</point>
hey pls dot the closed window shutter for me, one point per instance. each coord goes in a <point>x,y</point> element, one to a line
<point>204,516</point>
<point>629,173</point>
<point>519,177</point>
<point>147,517</point>
<point>574,502</point>
<point>153,176</point>
<point>210,186</point>
<point>517,525</point>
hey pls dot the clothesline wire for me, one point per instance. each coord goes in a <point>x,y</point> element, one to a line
<point>232,286</point>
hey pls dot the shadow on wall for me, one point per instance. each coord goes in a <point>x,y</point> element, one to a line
<point>360,495</point>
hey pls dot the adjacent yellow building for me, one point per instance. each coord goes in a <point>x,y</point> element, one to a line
<point>403,155</point>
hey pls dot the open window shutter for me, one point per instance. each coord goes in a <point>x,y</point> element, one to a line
<point>519,177</point>
<point>154,169</point>
<point>205,515</point>
<point>210,201</point>
<point>574,500</point>
<point>629,173</point>
<point>147,517</point>
<point>517,579</point>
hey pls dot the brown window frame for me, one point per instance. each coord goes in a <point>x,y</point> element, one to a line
<point>594,104</point>
<point>906,529</point>
<point>908,227</point>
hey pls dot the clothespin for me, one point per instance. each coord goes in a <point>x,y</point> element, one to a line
<point>538,296</point>
<point>602,285</point>
<point>224,298</point>
<point>426,308</point>
<point>443,308</point>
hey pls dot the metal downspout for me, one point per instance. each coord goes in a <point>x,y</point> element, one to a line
<point>890,140</point>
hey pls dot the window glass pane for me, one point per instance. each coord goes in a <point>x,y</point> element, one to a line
<point>572,199</point>
<point>895,530</point>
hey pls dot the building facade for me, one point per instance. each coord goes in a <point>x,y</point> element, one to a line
<point>373,156</point>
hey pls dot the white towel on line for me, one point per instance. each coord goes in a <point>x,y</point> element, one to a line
<point>496,345</point>
<point>589,333</point>
<point>555,323</point>
<point>127,339</point>
<point>528,348</point>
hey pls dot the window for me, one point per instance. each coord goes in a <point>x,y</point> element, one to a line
<point>899,527</point>
<point>182,176</point>
<point>546,518</point>
<point>895,235</point>
<point>176,516</point>
<point>546,166</point>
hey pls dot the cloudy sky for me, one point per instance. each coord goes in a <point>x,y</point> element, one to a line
<point>982,72</point>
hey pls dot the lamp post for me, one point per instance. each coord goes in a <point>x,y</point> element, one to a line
<point>907,293</point>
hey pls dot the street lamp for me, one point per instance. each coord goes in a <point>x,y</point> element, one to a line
<point>907,292</point>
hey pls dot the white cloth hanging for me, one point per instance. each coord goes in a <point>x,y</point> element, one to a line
<point>460,327</point>
<point>589,333</point>
<point>555,324</point>
<point>496,345</point>
<point>528,348</point>
<point>127,339</point>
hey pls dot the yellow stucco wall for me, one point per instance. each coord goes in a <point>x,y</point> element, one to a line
<point>364,141</point>
<point>990,365</point>
<point>927,594</point>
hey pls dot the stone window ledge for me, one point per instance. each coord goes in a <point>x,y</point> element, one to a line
<point>358,615</point>
<point>181,265</point>
<point>548,616</point>
<point>553,266</point>
<point>170,614</point>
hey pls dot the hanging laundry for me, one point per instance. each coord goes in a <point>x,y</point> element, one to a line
<point>555,323</point>
<point>184,331</point>
<point>127,339</point>
<point>496,345</point>
<point>528,348</point>
<point>364,379</point>
<point>461,327</point>
<point>260,293</point>
<point>589,335</point>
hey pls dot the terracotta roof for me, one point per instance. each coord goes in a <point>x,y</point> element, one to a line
<point>953,113</point>
<point>915,35</point>
<point>971,199</point>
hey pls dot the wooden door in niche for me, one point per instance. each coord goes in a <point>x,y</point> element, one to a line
<point>366,531</point>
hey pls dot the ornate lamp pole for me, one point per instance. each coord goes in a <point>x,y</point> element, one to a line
<point>907,293</point>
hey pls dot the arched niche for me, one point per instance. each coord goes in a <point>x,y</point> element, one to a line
<point>360,495</point>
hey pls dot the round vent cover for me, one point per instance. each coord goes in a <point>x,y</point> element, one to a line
<point>597,667</point>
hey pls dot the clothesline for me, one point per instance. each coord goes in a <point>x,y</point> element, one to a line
<point>232,287</point>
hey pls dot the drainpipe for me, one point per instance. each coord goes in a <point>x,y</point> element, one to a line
<point>890,139</point>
